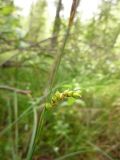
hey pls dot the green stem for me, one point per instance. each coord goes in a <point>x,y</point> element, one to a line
<point>36,136</point>
<point>16,125</point>
<point>50,85</point>
<point>29,155</point>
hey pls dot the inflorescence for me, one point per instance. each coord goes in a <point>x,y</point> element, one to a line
<point>60,96</point>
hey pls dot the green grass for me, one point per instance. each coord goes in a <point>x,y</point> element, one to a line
<point>87,129</point>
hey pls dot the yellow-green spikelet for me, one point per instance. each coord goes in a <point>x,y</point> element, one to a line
<point>58,96</point>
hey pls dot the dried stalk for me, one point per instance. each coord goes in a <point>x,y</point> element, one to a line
<point>12,89</point>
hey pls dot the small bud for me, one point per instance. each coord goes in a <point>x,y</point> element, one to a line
<point>70,94</point>
<point>54,99</point>
<point>48,105</point>
<point>65,93</point>
<point>61,96</point>
<point>76,95</point>
<point>53,104</point>
<point>57,95</point>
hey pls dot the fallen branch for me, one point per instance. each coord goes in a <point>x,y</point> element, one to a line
<point>12,89</point>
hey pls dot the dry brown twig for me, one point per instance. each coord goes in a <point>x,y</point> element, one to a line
<point>12,89</point>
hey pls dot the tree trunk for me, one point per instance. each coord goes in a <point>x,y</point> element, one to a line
<point>56,26</point>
